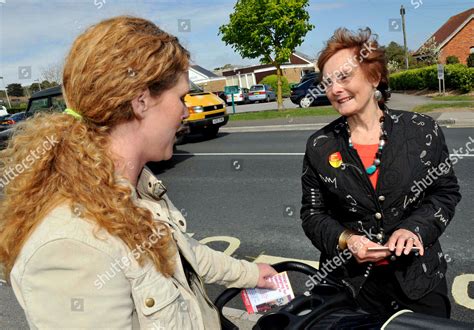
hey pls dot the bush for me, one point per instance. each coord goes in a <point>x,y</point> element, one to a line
<point>470,61</point>
<point>272,80</point>
<point>452,59</point>
<point>457,76</point>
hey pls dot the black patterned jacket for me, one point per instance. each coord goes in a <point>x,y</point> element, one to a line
<point>416,190</point>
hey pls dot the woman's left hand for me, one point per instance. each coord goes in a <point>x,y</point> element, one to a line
<point>404,240</point>
<point>265,271</point>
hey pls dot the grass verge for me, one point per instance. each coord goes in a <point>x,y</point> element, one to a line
<point>291,112</point>
<point>435,106</point>
<point>454,98</point>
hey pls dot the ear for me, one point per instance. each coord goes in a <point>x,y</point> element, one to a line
<point>140,103</point>
<point>376,82</point>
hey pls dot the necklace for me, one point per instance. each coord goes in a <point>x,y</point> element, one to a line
<point>382,141</point>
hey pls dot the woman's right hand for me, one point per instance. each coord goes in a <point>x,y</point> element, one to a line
<point>358,246</point>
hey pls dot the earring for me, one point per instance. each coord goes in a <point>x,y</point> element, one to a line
<point>378,94</point>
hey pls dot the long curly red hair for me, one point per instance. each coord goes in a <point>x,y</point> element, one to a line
<point>107,66</point>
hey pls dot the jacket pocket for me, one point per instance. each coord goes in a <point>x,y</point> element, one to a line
<point>160,306</point>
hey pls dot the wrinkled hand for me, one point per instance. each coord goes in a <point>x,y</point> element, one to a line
<point>403,240</point>
<point>265,271</point>
<point>358,246</point>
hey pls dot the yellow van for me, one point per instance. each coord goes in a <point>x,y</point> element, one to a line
<point>207,112</point>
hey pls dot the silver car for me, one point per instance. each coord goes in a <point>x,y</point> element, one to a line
<point>261,93</point>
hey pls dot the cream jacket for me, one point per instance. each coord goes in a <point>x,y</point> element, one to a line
<point>65,277</point>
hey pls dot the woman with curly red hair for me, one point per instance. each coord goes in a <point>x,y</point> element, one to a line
<point>88,236</point>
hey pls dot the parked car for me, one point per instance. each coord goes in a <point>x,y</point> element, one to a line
<point>310,75</point>
<point>306,93</point>
<point>221,95</point>
<point>8,121</point>
<point>50,99</point>
<point>261,92</point>
<point>241,94</point>
<point>207,112</point>
<point>3,111</point>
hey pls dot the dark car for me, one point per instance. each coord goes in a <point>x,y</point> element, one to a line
<point>8,121</point>
<point>50,99</point>
<point>222,95</point>
<point>307,93</point>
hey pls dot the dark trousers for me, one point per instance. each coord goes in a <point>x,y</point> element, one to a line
<point>381,294</point>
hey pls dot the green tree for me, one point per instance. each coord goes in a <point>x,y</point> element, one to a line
<point>272,80</point>
<point>451,59</point>
<point>429,52</point>
<point>470,61</point>
<point>268,29</point>
<point>15,90</point>
<point>395,53</point>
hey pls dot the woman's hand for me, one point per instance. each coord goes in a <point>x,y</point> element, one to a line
<point>359,244</point>
<point>265,271</point>
<point>404,240</point>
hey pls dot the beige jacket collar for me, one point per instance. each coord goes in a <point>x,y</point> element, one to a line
<point>148,186</point>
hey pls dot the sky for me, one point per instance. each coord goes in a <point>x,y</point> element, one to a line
<point>35,34</point>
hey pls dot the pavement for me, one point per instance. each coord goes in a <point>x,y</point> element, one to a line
<point>448,119</point>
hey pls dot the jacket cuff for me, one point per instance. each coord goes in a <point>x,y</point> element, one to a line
<point>250,275</point>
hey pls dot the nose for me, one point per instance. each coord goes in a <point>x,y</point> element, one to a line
<point>185,112</point>
<point>336,88</point>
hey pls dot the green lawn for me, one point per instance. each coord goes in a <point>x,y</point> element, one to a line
<point>435,106</point>
<point>291,112</point>
<point>454,98</point>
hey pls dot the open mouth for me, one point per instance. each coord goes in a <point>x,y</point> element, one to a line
<point>345,99</point>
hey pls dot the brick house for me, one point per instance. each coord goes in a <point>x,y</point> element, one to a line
<point>206,79</point>
<point>455,37</point>
<point>293,70</point>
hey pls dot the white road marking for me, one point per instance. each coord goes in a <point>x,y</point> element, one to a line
<point>242,154</point>
<point>460,290</point>
<point>234,243</point>
<point>273,260</point>
<point>269,154</point>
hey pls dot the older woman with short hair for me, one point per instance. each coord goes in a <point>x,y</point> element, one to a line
<point>362,206</point>
<point>87,234</point>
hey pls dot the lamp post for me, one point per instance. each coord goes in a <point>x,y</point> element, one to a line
<point>402,13</point>
<point>6,93</point>
<point>39,84</point>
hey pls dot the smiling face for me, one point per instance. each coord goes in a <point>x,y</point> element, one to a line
<point>162,117</point>
<point>349,91</point>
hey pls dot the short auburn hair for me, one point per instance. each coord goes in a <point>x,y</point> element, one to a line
<point>373,63</point>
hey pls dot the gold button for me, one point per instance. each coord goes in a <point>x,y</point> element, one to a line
<point>149,302</point>
<point>181,222</point>
<point>378,216</point>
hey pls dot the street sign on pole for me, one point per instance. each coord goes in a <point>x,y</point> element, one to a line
<point>441,77</point>
<point>440,71</point>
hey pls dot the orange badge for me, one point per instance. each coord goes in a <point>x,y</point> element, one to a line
<point>335,159</point>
